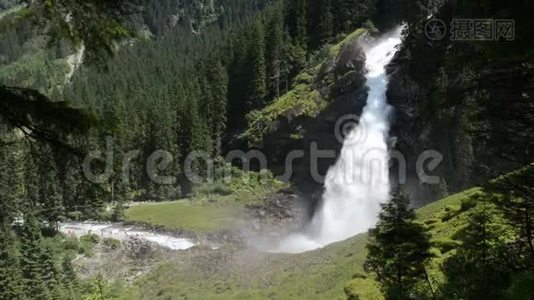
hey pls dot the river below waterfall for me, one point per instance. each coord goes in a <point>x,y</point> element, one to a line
<point>123,232</point>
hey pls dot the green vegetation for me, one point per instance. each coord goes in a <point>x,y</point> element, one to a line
<point>184,216</point>
<point>335,49</point>
<point>321,274</point>
<point>212,206</point>
<point>181,76</point>
<point>398,249</point>
<point>334,272</point>
<point>302,100</point>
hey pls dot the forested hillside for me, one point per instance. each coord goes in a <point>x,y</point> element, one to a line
<point>184,83</point>
<point>183,77</point>
<point>102,104</point>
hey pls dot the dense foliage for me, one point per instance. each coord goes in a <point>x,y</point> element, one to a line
<point>135,77</point>
<point>398,249</point>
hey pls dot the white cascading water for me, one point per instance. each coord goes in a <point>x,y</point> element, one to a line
<point>359,181</point>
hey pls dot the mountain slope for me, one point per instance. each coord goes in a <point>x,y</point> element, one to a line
<point>320,274</point>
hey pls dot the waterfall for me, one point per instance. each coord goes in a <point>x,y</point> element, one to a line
<point>358,182</point>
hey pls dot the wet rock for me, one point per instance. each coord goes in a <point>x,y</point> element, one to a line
<point>283,210</point>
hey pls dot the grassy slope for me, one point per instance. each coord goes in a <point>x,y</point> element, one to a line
<point>213,207</point>
<point>320,274</point>
<point>184,216</point>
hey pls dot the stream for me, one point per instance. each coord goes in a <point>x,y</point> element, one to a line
<point>124,232</point>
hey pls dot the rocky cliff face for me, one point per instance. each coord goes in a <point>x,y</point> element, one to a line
<point>337,84</point>
<point>469,101</point>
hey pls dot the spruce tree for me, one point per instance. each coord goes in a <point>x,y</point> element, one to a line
<point>50,195</point>
<point>257,71</point>
<point>350,14</point>
<point>325,28</point>
<point>513,194</point>
<point>11,284</point>
<point>479,268</point>
<point>297,20</point>
<point>217,76</point>
<point>398,249</point>
<point>69,279</point>
<point>32,253</point>
<point>11,182</point>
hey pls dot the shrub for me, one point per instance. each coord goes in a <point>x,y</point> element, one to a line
<point>435,252</point>
<point>111,243</point>
<point>451,208</point>
<point>87,243</point>
<point>450,211</point>
<point>92,239</point>
<point>359,275</point>
<point>431,221</point>
<point>467,204</point>
<point>71,243</point>
<point>445,244</point>
<point>221,189</point>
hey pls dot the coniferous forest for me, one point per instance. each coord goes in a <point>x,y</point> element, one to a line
<point>108,107</point>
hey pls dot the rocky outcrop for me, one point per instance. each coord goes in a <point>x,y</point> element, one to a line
<point>340,83</point>
<point>281,212</point>
<point>465,101</point>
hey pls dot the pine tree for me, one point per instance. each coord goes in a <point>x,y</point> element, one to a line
<point>50,195</point>
<point>275,44</point>
<point>33,251</point>
<point>256,60</point>
<point>478,269</point>
<point>11,284</point>
<point>118,212</point>
<point>94,205</point>
<point>325,28</point>
<point>398,249</point>
<point>513,195</point>
<point>321,22</point>
<point>350,14</point>
<point>69,279</point>
<point>217,76</point>
<point>297,20</point>
<point>11,182</point>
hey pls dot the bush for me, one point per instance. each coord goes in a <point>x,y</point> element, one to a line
<point>111,243</point>
<point>431,221</point>
<point>359,275</point>
<point>71,243</point>
<point>451,208</point>
<point>445,244</point>
<point>221,189</point>
<point>86,249</point>
<point>467,204</point>
<point>92,239</point>
<point>435,252</point>
<point>359,288</point>
<point>450,211</point>
<point>87,243</point>
<point>522,286</point>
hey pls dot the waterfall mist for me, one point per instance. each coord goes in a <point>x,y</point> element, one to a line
<point>358,182</point>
